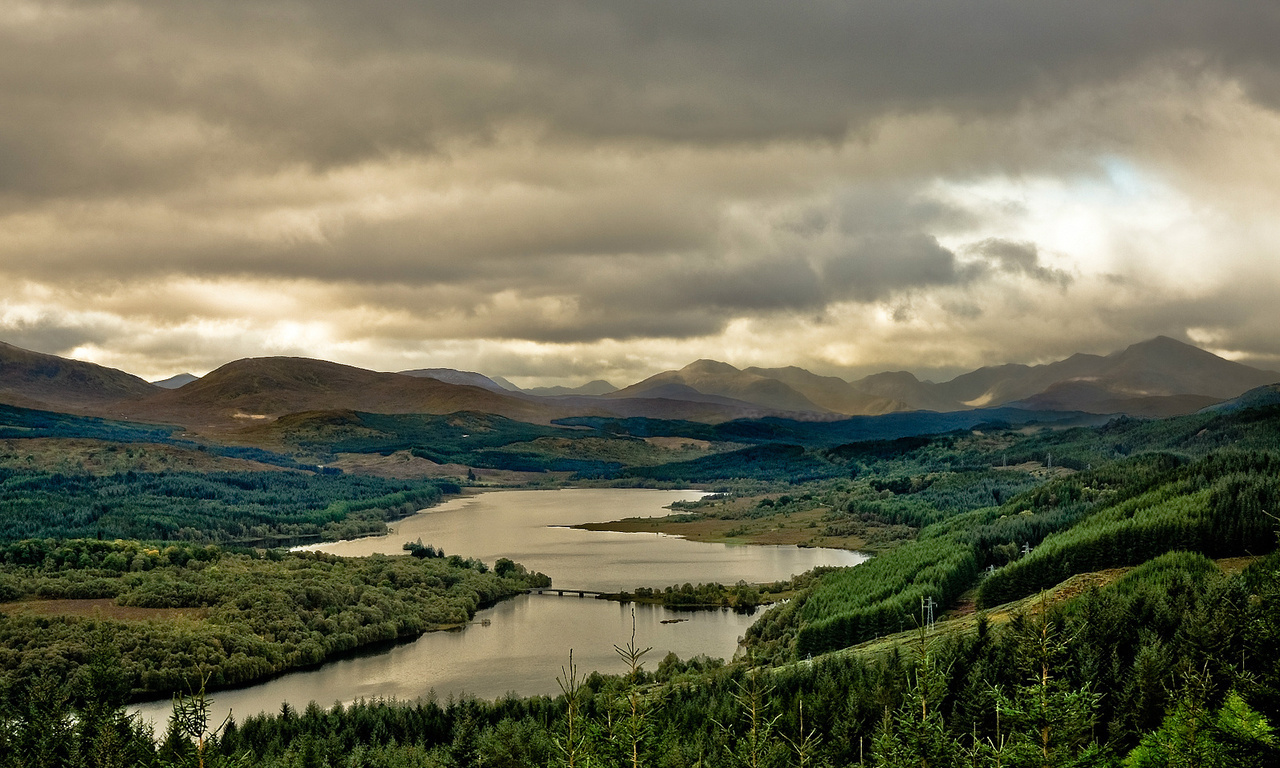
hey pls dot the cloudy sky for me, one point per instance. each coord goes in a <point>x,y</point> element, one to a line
<point>554,191</point>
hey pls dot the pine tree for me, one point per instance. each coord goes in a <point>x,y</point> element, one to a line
<point>757,747</point>
<point>916,734</point>
<point>1044,722</point>
<point>572,744</point>
<point>1193,736</point>
<point>635,726</point>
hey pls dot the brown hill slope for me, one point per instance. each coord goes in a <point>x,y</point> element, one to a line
<point>36,380</point>
<point>904,387</point>
<point>257,389</point>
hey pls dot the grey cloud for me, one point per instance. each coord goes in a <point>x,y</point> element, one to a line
<point>51,334</point>
<point>234,85</point>
<point>877,265</point>
<point>1019,258</point>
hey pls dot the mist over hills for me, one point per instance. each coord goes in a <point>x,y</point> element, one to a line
<point>711,377</point>
<point>1154,378</point>
<point>596,387</point>
<point>452,376</point>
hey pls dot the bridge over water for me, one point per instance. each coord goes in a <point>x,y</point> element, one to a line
<point>562,591</point>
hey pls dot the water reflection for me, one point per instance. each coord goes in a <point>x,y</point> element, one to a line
<point>520,645</point>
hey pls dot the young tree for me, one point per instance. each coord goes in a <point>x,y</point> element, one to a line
<point>757,747</point>
<point>915,734</point>
<point>1048,722</point>
<point>572,744</point>
<point>635,724</point>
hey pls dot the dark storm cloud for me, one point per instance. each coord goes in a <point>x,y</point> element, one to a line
<point>877,265</point>
<point>51,335</point>
<point>260,84</point>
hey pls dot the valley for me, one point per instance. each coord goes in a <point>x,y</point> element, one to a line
<point>283,534</point>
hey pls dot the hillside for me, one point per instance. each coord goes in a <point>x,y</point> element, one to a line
<point>257,389</point>
<point>35,380</point>
<point>178,380</point>
<point>596,387</point>
<point>1124,381</point>
<point>1155,378</point>
<point>904,387</point>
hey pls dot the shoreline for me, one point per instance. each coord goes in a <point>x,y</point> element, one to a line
<point>800,529</point>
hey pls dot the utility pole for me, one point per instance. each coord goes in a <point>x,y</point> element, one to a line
<point>926,608</point>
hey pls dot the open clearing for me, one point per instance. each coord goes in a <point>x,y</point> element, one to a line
<point>99,608</point>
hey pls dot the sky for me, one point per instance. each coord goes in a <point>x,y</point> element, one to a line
<point>556,191</point>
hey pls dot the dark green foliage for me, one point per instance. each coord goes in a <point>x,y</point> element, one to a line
<point>24,422</point>
<point>775,462</point>
<point>893,448</point>
<point>261,616</point>
<point>884,594</point>
<point>1217,505</point>
<point>1054,688</point>
<point>888,427</point>
<point>1195,735</point>
<point>244,507</point>
<point>453,434</point>
<point>1173,664</point>
<point>915,733</point>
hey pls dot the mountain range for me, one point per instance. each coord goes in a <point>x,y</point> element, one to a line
<point>1158,377</point>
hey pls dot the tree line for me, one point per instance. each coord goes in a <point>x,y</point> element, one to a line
<point>1175,664</point>
<point>248,614</point>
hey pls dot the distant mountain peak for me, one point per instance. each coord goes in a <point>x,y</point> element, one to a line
<point>454,376</point>
<point>591,388</point>
<point>902,376</point>
<point>178,380</point>
<point>706,366</point>
<point>1165,345</point>
<point>717,379</point>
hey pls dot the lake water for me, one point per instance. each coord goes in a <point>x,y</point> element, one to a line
<point>520,645</point>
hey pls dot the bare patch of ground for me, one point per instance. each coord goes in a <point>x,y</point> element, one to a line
<point>99,608</point>
<point>1038,469</point>
<point>678,443</point>
<point>403,465</point>
<point>400,465</point>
